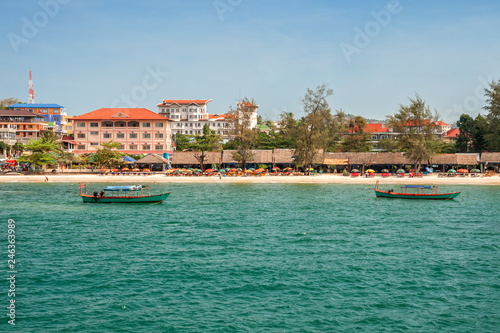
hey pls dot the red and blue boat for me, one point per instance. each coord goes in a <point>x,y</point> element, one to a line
<point>416,192</point>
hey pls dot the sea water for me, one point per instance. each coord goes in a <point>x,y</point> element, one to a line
<point>252,258</point>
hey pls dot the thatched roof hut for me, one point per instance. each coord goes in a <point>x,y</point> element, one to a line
<point>366,159</point>
<point>152,159</point>
<point>259,156</point>
<point>188,158</point>
<point>490,158</point>
<point>283,156</point>
<point>455,159</point>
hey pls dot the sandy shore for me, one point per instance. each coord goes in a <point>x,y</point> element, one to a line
<point>317,179</point>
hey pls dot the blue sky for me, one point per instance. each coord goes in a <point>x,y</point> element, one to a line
<point>91,54</point>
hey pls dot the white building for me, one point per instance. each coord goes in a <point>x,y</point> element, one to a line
<point>189,116</point>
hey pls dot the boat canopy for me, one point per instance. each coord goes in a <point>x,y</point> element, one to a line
<point>123,188</point>
<point>417,186</point>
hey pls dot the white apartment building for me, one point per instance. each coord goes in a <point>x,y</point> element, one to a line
<point>189,116</point>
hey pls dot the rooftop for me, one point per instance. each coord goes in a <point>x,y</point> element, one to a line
<point>169,102</point>
<point>121,114</point>
<point>39,105</point>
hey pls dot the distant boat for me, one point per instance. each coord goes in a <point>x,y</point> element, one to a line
<point>420,194</point>
<point>122,194</point>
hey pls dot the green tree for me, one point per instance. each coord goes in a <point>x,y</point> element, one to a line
<point>389,145</point>
<point>479,132</point>
<point>39,150</point>
<point>312,131</point>
<point>5,103</point>
<point>202,144</point>
<point>241,134</point>
<point>492,136</point>
<point>4,148</point>
<point>466,126</point>
<point>106,155</point>
<point>356,139</point>
<point>416,125</point>
<point>182,142</point>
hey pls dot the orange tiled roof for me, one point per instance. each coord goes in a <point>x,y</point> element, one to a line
<point>453,133</point>
<point>120,114</point>
<point>371,128</point>
<point>217,116</point>
<point>168,102</point>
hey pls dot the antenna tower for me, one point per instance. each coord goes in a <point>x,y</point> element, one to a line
<point>31,94</point>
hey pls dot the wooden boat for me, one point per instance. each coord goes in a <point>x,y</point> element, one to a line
<point>122,194</point>
<point>420,194</point>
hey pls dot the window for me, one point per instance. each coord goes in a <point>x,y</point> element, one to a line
<point>94,124</point>
<point>30,126</point>
<point>80,147</point>
<point>80,124</point>
<point>146,147</point>
<point>94,144</point>
<point>158,135</point>
<point>106,135</point>
<point>146,135</point>
<point>120,136</point>
<point>80,135</point>
<point>133,135</point>
<point>132,147</point>
<point>133,124</point>
<point>94,133</point>
<point>158,147</point>
<point>122,147</point>
<point>43,111</point>
<point>159,125</point>
<point>56,110</point>
<point>146,124</point>
<point>107,124</point>
<point>120,124</point>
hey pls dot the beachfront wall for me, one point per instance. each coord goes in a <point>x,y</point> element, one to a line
<point>490,161</point>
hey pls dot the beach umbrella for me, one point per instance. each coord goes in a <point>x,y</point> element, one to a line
<point>209,170</point>
<point>260,170</point>
<point>114,170</point>
<point>400,171</point>
<point>462,170</point>
<point>412,170</point>
<point>251,169</point>
<point>452,171</point>
<point>370,171</point>
<point>287,169</point>
<point>355,170</point>
<point>385,170</point>
<point>146,170</point>
<point>475,170</point>
<point>136,170</point>
<point>248,171</point>
<point>197,171</point>
<point>276,169</point>
<point>233,170</point>
<point>239,169</point>
<point>222,170</point>
<point>104,170</point>
<point>125,169</point>
<point>178,171</point>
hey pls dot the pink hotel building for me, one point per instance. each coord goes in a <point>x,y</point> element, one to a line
<point>137,130</point>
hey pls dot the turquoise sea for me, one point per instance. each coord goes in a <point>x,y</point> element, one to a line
<point>252,258</point>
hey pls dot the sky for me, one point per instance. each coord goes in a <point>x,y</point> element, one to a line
<point>375,55</point>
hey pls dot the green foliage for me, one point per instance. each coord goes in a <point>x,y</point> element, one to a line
<point>492,135</point>
<point>182,142</point>
<point>5,103</point>
<point>464,141</point>
<point>201,144</point>
<point>416,124</point>
<point>389,145</point>
<point>107,156</point>
<point>357,139</point>
<point>3,147</point>
<point>312,131</point>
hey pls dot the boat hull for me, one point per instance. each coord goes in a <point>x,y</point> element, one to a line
<point>126,199</point>
<point>433,196</point>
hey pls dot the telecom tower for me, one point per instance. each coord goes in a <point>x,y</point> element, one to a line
<point>31,94</point>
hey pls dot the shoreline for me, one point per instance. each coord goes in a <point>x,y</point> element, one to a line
<point>316,179</point>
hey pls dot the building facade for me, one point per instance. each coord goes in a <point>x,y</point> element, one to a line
<point>190,116</point>
<point>138,131</point>
<point>20,126</point>
<point>52,113</point>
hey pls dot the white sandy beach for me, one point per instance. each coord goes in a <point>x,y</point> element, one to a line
<point>316,179</point>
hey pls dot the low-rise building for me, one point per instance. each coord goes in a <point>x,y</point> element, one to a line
<point>52,113</point>
<point>20,126</point>
<point>137,130</point>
